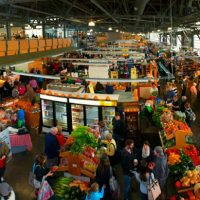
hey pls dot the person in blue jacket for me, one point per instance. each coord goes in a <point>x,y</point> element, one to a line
<point>52,147</point>
<point>94,193</point>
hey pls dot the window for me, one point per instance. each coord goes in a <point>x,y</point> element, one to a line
<point>178,41</point>
<point>154,37</point>
<point>196,44</point>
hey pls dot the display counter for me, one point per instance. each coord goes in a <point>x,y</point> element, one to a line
<point>20,143</point>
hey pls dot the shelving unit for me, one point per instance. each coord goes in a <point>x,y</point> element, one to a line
<point>77,115</point>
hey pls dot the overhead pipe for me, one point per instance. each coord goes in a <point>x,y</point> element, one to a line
<point>105,11</point>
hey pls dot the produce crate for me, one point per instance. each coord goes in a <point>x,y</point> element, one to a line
<point>32,119</point>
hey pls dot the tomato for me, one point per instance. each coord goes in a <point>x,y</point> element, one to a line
<point>178,184</point>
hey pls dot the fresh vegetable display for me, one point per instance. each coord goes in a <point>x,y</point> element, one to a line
<point>157,115</point>
<point>193,153</point>
<point>68,189</point>
<point>179,169</point>
<point>180,116</point>
<point>82,138</point>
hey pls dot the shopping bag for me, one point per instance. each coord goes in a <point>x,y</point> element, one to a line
<point>45,192</point>
<point>31,178</point>
<point>153,187</point>
<point>114,186</point>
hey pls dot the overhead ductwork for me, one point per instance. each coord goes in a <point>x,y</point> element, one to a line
<point>139,6</point>
<point>102,9</point>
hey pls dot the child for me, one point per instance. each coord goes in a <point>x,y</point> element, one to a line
<point>93,192</point>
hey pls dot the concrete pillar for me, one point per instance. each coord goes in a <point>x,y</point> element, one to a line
<point>43,30</point>
<point>64,29</point>
<point>8,30</point>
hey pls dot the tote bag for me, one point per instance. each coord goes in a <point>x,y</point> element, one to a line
<point>45,192</point>
<point>114,186</point>
<point>153,189</point>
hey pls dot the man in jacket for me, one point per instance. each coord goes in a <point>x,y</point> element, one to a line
<point>160,170</point>
<point>52,147</point>
<point>127,162</point>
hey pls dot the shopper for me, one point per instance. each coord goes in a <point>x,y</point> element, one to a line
<point>118,130</point>
<point>15,92</point>
<point>99,88</point>
<point>146,153</point>
<point>60,137</point>
<point>21,88</point>
<point>52,147</point>
<point>193,94</point>
<point>184,86</point>
<point>103,129</point>
<point>40,170</point>
<point>160,170</point>
<point>170,94</point>
<point>33,83</point>
<point>183,102</point>
<point>93,193</point>
<point>143,178</point>
<point>153,91</point>
<point>30,94</point>
<point>2,166</point>
<point>7,88</point>
<point>127,160</point>
<point>175,104</point>
<point>110,149</point>
<point>190,115</point>
<point>103,175</point>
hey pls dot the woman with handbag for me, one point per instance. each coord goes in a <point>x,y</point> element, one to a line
<point>103,175</point>
<point>143,178</point>
<point>40,171</point>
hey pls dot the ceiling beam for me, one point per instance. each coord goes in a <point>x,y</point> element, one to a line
<point>18,1</point>
<point>105,11</point>
<point>9,15</point>
<point>76,6</point>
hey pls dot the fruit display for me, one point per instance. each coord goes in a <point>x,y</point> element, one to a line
<point>166,116</point>
<point>80,184</point>
<point>192,177</point>
<point>173,159</point>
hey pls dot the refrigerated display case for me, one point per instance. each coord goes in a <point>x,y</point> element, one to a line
<point>77,115</point>
<point>92,115</point>
<point>107,115</point>
<point>61,115</point>
<point>47,113</point>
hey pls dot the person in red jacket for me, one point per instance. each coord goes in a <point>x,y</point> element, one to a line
<point>2,167</point>
<point>60,137</point>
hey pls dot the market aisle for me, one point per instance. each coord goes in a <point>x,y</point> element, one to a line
<point>18,169</point>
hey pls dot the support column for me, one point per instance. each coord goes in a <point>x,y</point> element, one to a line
<point>64,29</point>
<point>43,30</point>
<point>77,39</point>
<point>8,30</point>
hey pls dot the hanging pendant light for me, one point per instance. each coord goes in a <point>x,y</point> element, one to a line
<point>91,23</point>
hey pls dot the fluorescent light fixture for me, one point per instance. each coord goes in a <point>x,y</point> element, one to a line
<point>110,28</point>
<point>52,28</point>
<point>117,30</point>
<point>37,75</point>
<point>91,30</point>
<point>197,23</point>
<point>53,98</point>
<point>55,19</point>
<point>158,30</point>
<point>38,27</point>
<point>91,23</point>
<point>59,25</point>
<point>11,24</point>
<point>88,33</point>
<point>169,28</point>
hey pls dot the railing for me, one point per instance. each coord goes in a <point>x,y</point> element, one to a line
<point>18,47</point>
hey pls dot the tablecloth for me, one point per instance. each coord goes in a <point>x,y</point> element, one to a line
<point>21,140</point>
